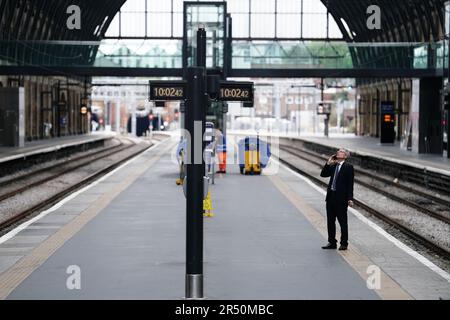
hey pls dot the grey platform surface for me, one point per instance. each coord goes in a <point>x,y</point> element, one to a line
<point>258,246</point>
<point>49,145</point>
<point>372,146</point>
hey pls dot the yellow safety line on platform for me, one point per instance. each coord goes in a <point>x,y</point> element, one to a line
<point>13,277</point>
<point>389,289</point>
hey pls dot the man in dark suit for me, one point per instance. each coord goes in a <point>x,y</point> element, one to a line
<point>339,196</point>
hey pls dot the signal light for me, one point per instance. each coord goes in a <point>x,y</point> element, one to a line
<point>84,110</point>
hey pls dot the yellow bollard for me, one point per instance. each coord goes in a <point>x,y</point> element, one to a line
<point>207,207</point>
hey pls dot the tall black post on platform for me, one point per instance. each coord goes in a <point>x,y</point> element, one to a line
<point>327,117</point>
<point>195,125</point>
<point>447,110</point>
<point>201,48</point>
<point>201,62</point>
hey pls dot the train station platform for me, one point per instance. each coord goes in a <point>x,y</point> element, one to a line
<point>39,147</point>
<point>125,234</point>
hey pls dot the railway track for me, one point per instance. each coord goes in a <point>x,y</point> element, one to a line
<point>43,170</point>
<point>79,184</point>
<point>443,252</point>
<point>62,169</point>
<point>409,189</point>
<point>426,198</point>
<point>430,180</point>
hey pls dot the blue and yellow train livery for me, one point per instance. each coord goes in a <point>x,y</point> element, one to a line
<point>254,155</point>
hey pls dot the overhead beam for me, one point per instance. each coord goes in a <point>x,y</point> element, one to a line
<point>335,73</point>
<point>238,73</point>
<point>90,71</point>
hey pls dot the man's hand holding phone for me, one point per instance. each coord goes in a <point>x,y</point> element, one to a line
<point>332,160</point>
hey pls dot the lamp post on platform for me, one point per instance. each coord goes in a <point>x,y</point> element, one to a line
<point>195,93</point>
<point>195,125</point>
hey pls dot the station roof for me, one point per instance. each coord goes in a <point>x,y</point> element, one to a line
<point>43,20</point>
<point>402,20</point>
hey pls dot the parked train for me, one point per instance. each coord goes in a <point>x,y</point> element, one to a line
<point>254,155</point>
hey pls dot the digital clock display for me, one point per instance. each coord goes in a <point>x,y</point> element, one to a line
<point>164,91</point>
<point>236,91</point>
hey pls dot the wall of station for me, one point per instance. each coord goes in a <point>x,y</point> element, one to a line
<point>370,98</point>
<point>53,105</point>
<point>418,123</point>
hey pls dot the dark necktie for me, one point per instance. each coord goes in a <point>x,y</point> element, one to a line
<point>336,173</point>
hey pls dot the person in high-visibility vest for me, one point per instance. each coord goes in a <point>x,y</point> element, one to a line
<point>221,150</point>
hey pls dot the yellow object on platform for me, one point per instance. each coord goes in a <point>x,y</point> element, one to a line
<point>252,162</point>
<point>207,206</point>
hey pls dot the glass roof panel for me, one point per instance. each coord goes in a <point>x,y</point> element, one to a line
<point>252,18</point>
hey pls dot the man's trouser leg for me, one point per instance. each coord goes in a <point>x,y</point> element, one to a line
<point>331,221</point>
<point>343,222</point>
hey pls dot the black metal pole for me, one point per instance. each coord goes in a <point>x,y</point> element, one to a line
<point>215,56</point>
<point>447,112</point>
<point>201,48</point>
<point>195,125</point>
<point>447,15</point>
<point>357,106</point>
<point>227,48</point>
<point>201,62</point>
<point>327,117</point>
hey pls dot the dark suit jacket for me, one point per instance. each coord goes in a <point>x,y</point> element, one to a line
<point>344,183</point>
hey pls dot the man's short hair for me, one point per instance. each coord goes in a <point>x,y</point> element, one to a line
<point>347,153</point>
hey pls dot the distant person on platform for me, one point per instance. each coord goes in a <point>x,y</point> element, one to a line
<point>339,196</point>
<point>221,150</point>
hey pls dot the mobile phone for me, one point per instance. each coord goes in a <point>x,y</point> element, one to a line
<point>334,157</point>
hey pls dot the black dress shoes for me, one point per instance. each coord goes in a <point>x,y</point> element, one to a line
<point>342,248</point>
<point>330,246</point>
